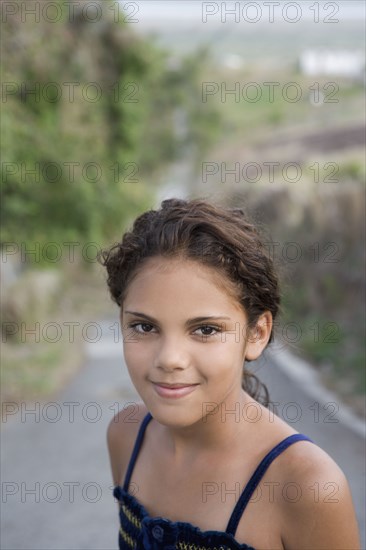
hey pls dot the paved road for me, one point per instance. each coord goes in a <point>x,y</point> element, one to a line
<point>56,484</point>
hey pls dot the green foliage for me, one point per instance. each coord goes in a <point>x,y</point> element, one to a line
<point>353,170</point>
<point>98,129</point>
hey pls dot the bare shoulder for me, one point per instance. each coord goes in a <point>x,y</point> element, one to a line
<point>316,503</point>
<point>121,435</point>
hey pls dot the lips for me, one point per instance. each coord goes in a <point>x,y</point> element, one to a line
<point>173,386</point>
<point>173,390</point>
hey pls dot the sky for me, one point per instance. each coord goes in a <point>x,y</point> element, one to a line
<point>160,11</point>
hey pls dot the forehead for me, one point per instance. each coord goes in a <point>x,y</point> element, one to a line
<point>186,279</point>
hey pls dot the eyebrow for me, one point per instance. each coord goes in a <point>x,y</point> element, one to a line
<point>189,322</point>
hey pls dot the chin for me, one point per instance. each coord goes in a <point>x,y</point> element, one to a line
<point>173,416</point>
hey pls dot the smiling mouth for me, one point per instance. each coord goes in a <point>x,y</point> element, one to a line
<point>173,386</point>
<point>173,391</point>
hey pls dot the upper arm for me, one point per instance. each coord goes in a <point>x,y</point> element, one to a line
<point>322,515</point>
<point>121,434</point>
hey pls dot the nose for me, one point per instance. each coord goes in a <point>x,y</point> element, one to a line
<point>171,355</point>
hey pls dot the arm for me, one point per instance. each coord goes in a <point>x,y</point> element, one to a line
<point>115,449</point>
<point>121,434</point>
<point>324,517</point>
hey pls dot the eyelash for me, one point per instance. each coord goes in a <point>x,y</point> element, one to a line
<point>134,325</point>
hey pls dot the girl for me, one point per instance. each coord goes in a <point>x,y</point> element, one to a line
<point>201,463</point>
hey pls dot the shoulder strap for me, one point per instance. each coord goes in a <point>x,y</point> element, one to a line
<point>256,478</point>
<point>136,449</point>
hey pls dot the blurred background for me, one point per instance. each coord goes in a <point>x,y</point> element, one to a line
<point>109,107</point>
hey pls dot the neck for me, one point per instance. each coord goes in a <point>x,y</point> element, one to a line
<point>215,432</point>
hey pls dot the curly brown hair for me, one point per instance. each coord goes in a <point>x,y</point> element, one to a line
<point>218,237</point>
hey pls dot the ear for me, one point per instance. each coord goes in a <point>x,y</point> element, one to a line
<point>259,336</point>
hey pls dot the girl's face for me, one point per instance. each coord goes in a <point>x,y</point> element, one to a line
<point>185,340</point>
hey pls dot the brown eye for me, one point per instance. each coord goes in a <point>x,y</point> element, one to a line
<point>141,328</point>
<point>208,330</point>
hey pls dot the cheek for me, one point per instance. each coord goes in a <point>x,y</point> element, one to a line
<point>229,347</point>
<point>135,353</point>
<point>224,360</point>
<point>220,359</point>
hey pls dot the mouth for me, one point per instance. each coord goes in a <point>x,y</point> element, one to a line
<point>174,386</point>
<point>173,390</point>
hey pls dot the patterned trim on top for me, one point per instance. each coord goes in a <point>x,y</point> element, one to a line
<point>126,537</point>
<point>132,518</point>
<point>190,546</point>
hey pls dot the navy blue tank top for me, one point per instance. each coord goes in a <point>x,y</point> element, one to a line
<point>140,531</point>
